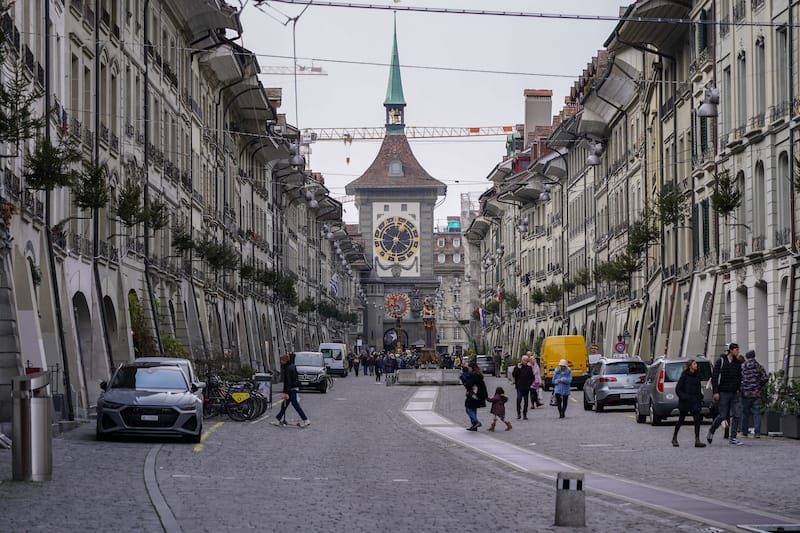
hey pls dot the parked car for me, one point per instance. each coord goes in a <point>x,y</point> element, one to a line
<point>485,363</point>
<point>149,399</point>
<point>656,397</point>
<point>185,365</point>
<point>311,371</point>
<point>613,382</point>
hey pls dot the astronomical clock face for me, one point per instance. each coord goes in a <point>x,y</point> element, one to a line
<point>396,239</point>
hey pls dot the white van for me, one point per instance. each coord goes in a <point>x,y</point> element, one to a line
<point>335,355</point>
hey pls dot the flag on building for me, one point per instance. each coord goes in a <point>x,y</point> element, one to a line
<point>499,294</point>
<point>482,316</point>
<point>334,285</point>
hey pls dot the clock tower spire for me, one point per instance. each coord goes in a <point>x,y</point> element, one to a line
<point>395,103</point>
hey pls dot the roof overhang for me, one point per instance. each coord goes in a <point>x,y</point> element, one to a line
<point>610,94</point>
<point>478,229</point>
<point>225,62</point>
<point>641,25</point>
<point>203,18</point>
<point>329,210</point>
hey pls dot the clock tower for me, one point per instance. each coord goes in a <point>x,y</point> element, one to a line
<point>395,199</point>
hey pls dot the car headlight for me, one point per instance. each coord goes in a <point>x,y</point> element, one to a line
<point>190,406</point>
<point>111,405</point>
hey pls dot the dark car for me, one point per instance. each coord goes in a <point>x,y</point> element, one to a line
<point>485,363</point>
<point>613,382</point>
<point>311,371</point>
<point>657,399</point>
<point>149,399</point>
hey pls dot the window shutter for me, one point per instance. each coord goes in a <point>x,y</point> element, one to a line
<point>706,229</point>
<point>695,231</point>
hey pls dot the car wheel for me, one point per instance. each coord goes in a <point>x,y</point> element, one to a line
<point>586,405</point>
<point>655,420</point>
<point>100,436</point>
<point>640,418</point>
<point>598,406</point>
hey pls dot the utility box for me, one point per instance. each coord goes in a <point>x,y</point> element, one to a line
<point>32,438</point>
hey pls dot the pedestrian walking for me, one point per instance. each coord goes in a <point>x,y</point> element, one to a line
<point>690,401</point>
<point>754,377</point>
<point>291,386</point>
<point>498,408</point>
<point>536,401</point>
<point>472,379</point>
<point>523,378</point>
<point>355,363</point>
<point>726,381</point>
<point>378,365</point>
<point>562,381</point>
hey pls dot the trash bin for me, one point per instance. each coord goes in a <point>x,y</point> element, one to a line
<point>32,439</point>
<point>264,383</point>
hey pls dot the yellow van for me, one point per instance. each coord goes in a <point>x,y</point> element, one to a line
<point>570,347</point>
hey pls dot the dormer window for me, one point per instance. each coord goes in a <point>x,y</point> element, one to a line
<point>395,168</point>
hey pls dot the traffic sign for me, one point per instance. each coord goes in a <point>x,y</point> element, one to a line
<point>594,348</point>
<point>619,347</point>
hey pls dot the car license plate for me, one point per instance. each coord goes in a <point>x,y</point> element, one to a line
<point>628,396</point>
<point>304,382</point>
<point>149,418</point>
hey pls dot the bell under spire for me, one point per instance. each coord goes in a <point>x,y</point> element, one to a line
<point>395,103</point>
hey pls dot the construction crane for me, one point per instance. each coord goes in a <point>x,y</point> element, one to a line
<point>300,71</point>
<point>310,135</point>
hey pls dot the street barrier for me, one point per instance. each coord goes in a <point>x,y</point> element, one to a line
<point>32,438</point>
<point>570,500</point>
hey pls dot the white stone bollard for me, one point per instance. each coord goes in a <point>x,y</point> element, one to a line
<point>570,500</point>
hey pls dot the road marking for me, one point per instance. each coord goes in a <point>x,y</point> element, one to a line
<point>199,446</point>
<point>400,480</point>
<point>291,478</point>
<point>594,445</point>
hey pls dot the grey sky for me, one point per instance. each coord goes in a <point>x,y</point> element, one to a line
<point>352,95</point>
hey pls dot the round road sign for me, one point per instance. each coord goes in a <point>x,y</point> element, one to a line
<point>619,347</point>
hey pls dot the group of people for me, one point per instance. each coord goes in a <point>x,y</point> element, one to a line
<point>379,363</point>
<point>736,382</point>
<point>527,383</point>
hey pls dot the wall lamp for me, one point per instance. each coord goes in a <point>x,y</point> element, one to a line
<point>710,101</point>
<point>595,151</point>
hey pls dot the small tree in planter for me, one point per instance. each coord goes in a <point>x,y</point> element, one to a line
<point>772,397</point>
<point>790,415</point>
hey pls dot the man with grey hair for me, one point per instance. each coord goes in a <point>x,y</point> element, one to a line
<point>523,377</point>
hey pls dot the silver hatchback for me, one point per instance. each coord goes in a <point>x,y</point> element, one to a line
<point>613,382</point>
<point>656,397</point>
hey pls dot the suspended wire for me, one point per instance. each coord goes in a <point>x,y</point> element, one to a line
<point>524,14</point>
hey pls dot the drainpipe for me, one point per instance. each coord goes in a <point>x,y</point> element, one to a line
<point>150,294</point>
<point>793,276</point>
<point>98,47</point>
<point>48,231</point>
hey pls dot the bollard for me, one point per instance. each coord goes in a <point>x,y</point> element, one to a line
<point>570,500</point>
<point>32,444</point>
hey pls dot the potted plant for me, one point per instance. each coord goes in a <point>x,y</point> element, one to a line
<point>771,399</point>
<point>790,415</point>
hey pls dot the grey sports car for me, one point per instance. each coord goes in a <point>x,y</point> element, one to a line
<point>149,399</point>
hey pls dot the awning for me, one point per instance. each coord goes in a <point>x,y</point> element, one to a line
<point>225,62</point>
<point>592,124</point>
<point>329,210</point>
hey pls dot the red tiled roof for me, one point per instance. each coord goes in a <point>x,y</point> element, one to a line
<point>395,147</point>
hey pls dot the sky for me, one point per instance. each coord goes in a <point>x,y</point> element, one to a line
<point>353,46</point>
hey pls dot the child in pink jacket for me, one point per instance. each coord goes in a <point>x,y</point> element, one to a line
<point>498,409</point>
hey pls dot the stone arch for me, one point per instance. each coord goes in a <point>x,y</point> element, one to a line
<point>95,368</point>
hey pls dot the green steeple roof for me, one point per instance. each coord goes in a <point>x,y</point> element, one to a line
<point>394,92</point>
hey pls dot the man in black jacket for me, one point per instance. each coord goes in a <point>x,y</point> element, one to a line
<point>291,386</point>
<point>523,378</point>
<point>726,380</point>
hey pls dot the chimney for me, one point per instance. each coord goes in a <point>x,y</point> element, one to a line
<point>538,110</point>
